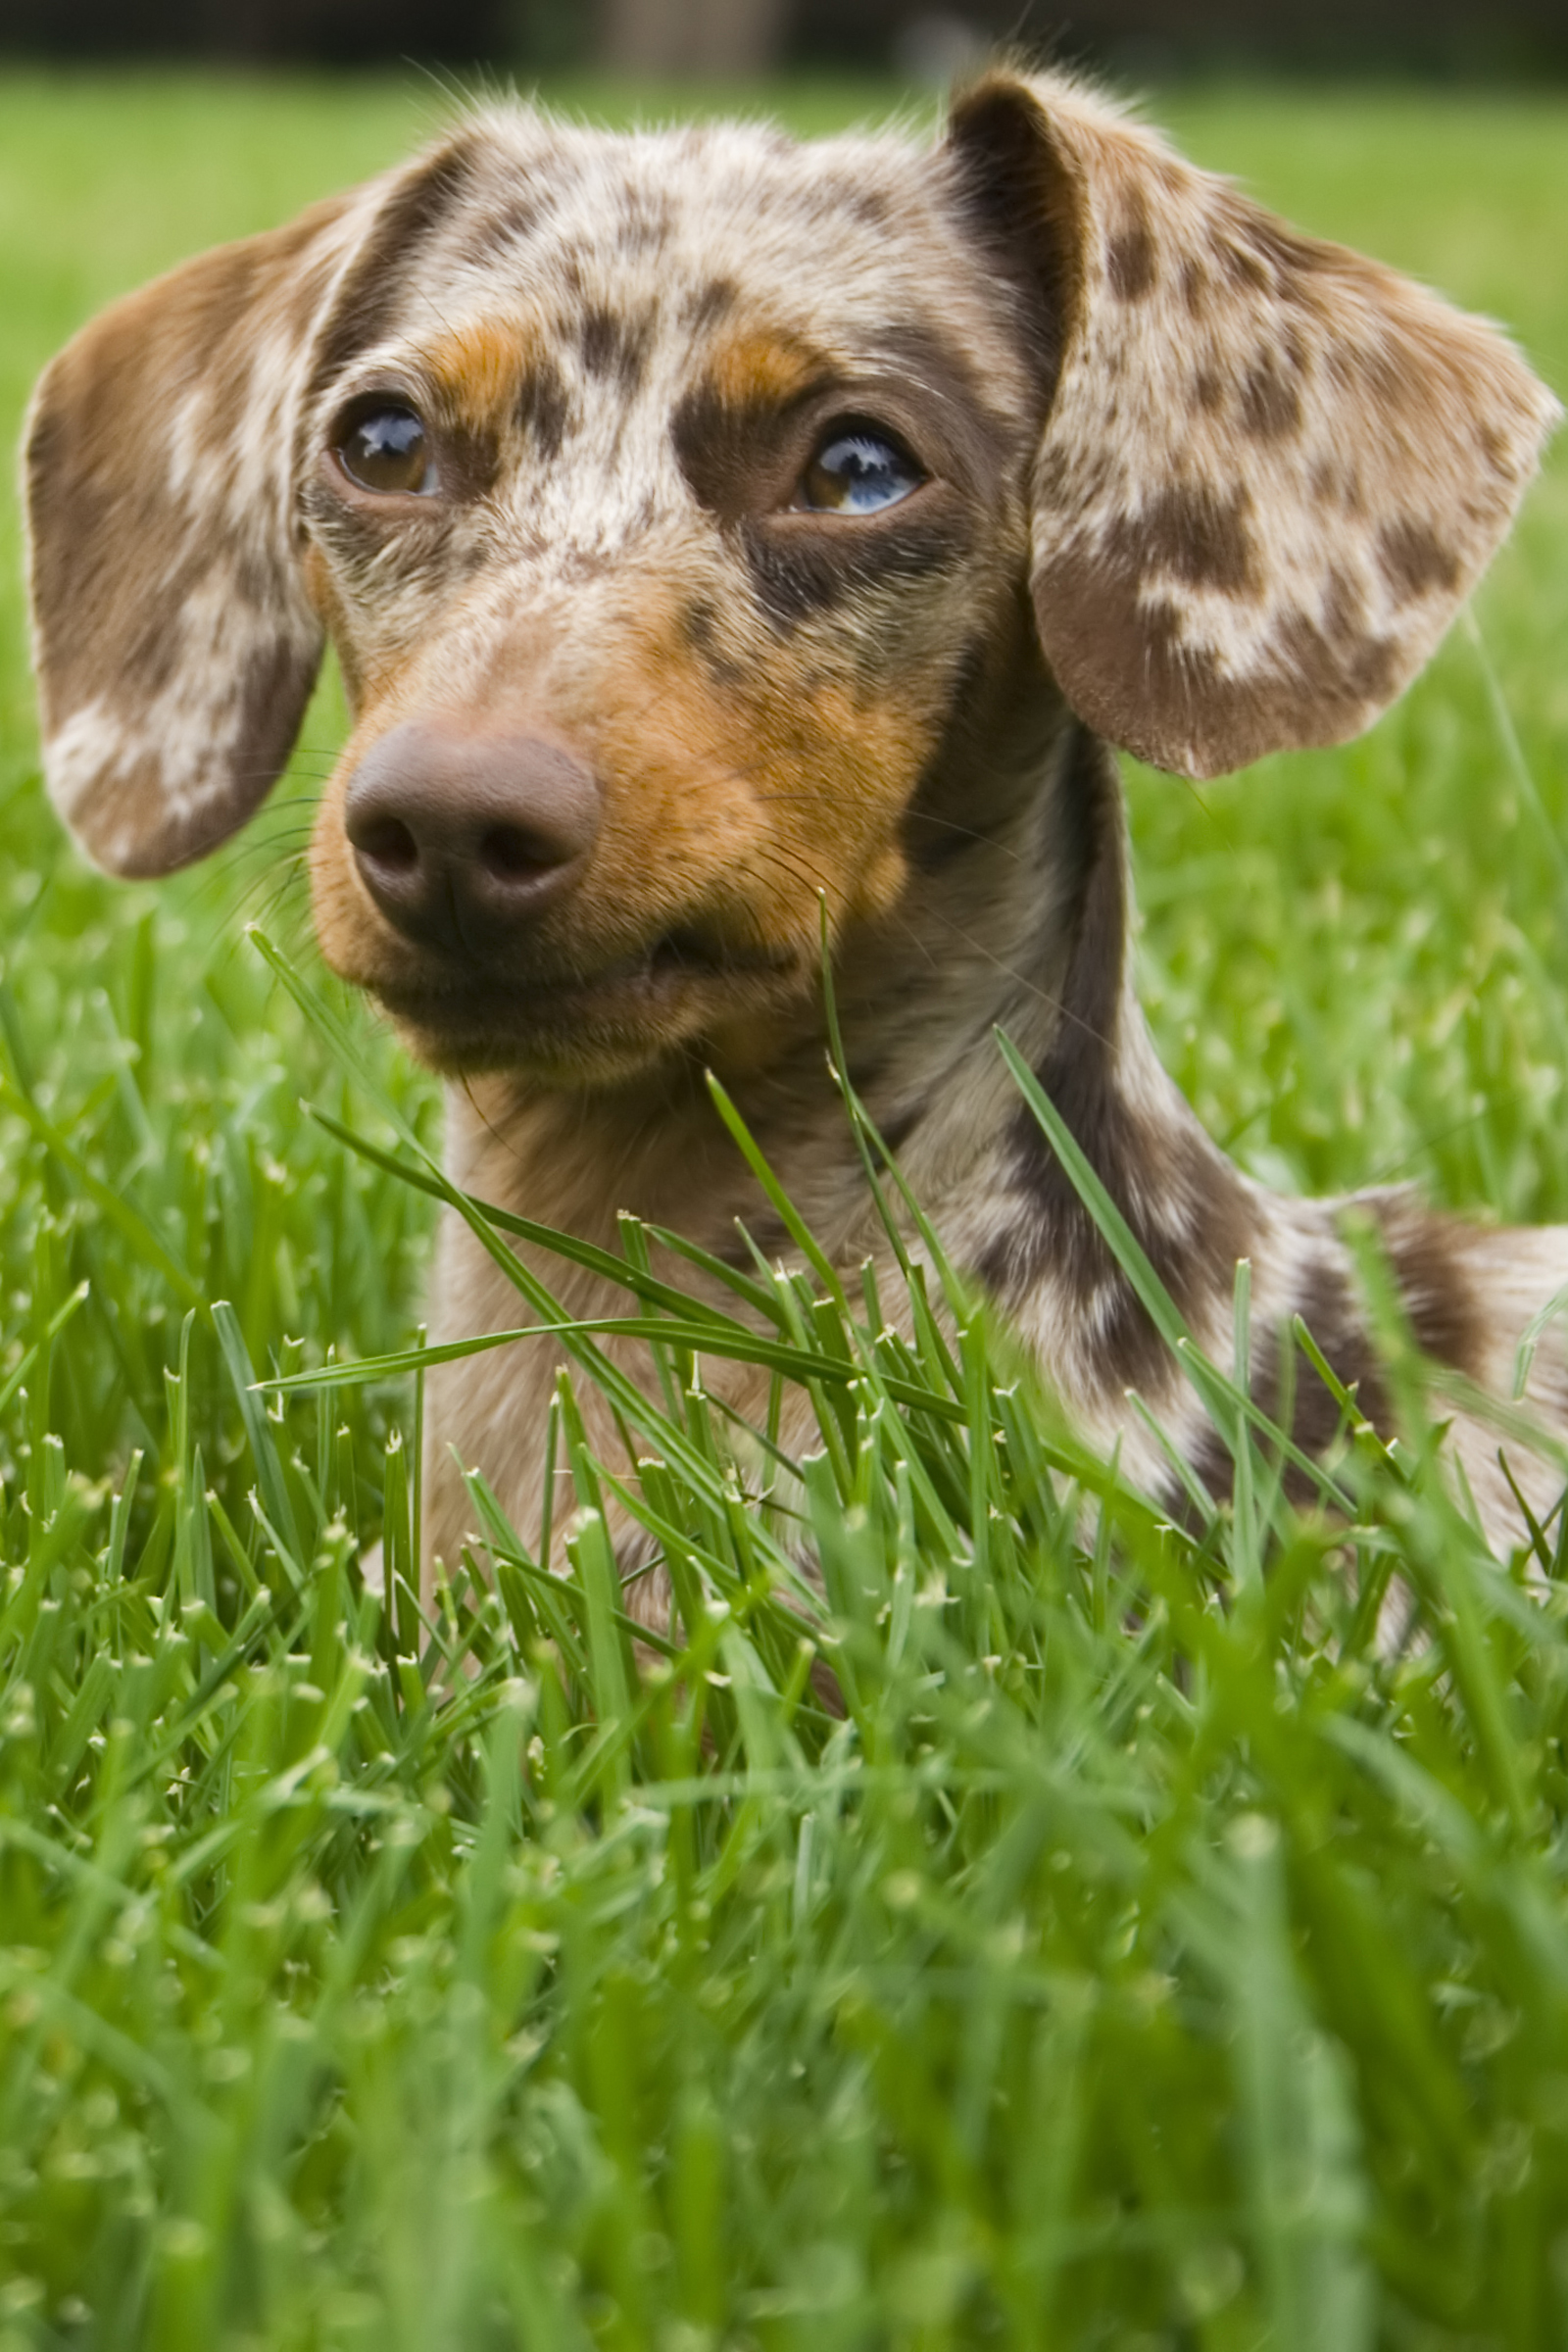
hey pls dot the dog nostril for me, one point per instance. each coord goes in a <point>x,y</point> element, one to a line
<point>509,854</point>
<point>388,843</point>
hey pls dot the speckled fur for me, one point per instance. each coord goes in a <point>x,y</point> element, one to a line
<point>1196,486</point>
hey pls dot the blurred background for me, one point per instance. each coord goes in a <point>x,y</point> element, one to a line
<point>727,39</point>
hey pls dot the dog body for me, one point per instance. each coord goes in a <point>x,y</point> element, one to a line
<point>974,1158</point>
<point>720,537</point>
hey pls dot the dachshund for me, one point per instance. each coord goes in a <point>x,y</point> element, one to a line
<point>731,544</point>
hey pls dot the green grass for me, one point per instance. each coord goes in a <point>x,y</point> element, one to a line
<point>1146,1960</point>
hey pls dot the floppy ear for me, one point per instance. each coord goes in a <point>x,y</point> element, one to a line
<point>1269,469</point>
<point>173,642</point>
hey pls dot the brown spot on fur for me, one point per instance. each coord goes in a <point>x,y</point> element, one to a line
<point>1209,1460</point>
<point>1132,269</point>
<point>1336,482</point>
<point>1414,560</point>
<point>1426,1255</point>
<point>1271,403</point>
<point>1054,482</point>
<point>1264,251</point>
<point>871,206</point>
<point>715,302</point>
<point>544,406</point>
<point>1196,287</point>
<point>490,233</point>
<point>699,627</point>
<point>615,347</point>
<point>1242,265</point>
<point>1344,609</point>
<point>1372,375</point>
<point>1195,536</point>
<point>1327,1306</point>
<point>644,221</point>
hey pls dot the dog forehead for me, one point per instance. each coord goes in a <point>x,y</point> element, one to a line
<point>591,232</point>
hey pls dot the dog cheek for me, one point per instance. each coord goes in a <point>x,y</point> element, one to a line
<point>326,604</point>
<point>863,759</point>
<point>814,810</point>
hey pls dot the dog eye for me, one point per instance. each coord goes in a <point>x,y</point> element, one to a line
<point>858,471</point>
<point>387,449</point>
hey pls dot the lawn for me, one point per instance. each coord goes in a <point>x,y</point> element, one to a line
<point>1146,1959</point>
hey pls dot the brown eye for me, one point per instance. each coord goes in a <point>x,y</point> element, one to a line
<point>386,449</point>
<point>858,469</point>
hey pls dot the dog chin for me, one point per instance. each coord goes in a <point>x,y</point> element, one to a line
<point>589,1034</point>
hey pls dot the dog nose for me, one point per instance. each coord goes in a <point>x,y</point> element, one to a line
<point>461,838</point>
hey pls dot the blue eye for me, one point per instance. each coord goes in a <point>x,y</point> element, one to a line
<point>858,471</point>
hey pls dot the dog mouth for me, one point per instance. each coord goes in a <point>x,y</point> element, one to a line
<point>480,1018</point>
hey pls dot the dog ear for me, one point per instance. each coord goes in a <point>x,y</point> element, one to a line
<point>1269,470</point>
<point>174,645</point>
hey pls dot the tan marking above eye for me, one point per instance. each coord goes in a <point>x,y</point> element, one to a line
<point>478,370</point>
<point>751,370</point>
<point>384,448</point>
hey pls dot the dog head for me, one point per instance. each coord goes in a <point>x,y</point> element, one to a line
<point>669,501</point>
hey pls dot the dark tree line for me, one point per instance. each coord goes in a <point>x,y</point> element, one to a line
<point>1161,37</point>
<point>719,37</point>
